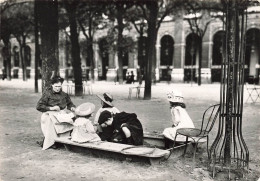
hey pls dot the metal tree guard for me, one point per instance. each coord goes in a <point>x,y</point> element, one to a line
<point>229,151</point>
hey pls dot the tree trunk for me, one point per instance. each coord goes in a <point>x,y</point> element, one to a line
<point>48,20</point>
<point>75,49</point>
<point>37,52</point>
<point>152,35</point>
<point>200,60</point>
<point>90,50</point>
<point>91,60</point>
<point>119,43</point>
<point>8,62</point>
<point>7,56</point>
<point>24,67</point>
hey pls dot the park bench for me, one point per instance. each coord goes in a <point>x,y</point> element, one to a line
<point>153,151</point>
<point>117,151</point>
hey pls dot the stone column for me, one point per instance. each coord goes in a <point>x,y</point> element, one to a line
<point>132,63</point>
<point>97,58</point>
<point>206,62</point>
<point>112,66</point>
<point>158,61</point>
<point>177,74</point>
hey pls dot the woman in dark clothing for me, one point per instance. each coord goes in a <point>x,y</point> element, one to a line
<point>126,123</point>
<point>53,102</point>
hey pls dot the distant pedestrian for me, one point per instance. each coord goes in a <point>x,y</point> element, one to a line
<point>132,77</point>
<point>128,78</point>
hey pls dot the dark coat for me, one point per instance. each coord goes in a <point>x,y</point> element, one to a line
<point>51,98</point>
<point>130,121</point>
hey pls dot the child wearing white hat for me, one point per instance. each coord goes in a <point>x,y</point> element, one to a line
<point>83,130</point>
<point>180,117</point>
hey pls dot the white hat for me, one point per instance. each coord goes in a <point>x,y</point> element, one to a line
<point>175,96</point>
<point>85,109</point>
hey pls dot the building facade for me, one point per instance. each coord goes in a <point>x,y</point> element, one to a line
<point>177,56</point>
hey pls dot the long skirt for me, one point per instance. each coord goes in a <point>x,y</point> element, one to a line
<point>52,128</point>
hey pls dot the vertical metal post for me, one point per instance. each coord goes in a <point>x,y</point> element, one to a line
<point>229,151</point>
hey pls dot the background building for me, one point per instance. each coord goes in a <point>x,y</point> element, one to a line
<point>176,53</point>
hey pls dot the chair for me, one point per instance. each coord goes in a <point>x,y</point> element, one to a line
<point>253,93</point>
<point>138,90</point>
<point>253,89</point>
<point>208,119</point>
<point>87,86</point>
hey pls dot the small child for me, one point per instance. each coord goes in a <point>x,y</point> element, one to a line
<point>180,117</point>
<point>107,105</point>
<point>83,130</point>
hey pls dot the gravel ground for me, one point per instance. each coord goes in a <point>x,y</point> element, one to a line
<point>22,159</point>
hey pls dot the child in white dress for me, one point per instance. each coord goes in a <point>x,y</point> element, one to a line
<point>83,130</point>
<point>180,117</point>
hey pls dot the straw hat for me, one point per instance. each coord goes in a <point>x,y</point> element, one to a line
<point>107,98</point>
<point>85,109</point>
<point>175,96</point>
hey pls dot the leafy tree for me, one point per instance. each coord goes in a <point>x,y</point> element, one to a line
<point>5,36</point>
<point>17,21</point>
<point>140,25</point>
<point>154,12</point>
<point>20,17</point>
<point>89,16</point>
<point>6,52</point>
<point>117,12</point>
<point>198,15</point>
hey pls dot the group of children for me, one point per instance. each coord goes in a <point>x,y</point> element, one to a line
<point>109,123</point>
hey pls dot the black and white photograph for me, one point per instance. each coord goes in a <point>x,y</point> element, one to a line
<point>130,90</point>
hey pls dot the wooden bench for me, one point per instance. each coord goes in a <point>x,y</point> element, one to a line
<point>151,155</point>
<point>153,151</point>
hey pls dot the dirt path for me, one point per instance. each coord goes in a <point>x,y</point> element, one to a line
<point>22,159</point>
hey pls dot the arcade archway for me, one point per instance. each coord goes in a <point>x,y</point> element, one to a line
<point>104,54</point>
<point>167,51</point>
<point>191,57</point>
<point>218,44</point>
<point>252,56</point>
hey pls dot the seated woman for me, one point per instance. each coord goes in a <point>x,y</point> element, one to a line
<point>180,117</point>
<point>83,130</point>
<point>125,123</point>
<point>53,102</point>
